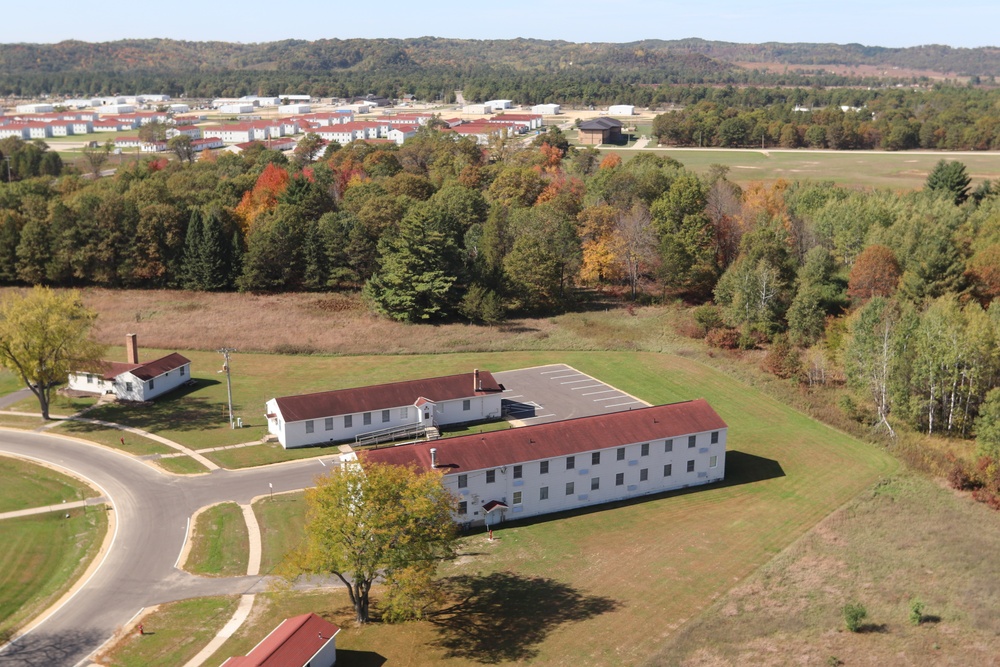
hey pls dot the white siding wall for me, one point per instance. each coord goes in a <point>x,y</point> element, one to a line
<point>130,388</point>
<point>296,434</point>
<point>478,491</point>
<point>93,382</point>
<point>326,656</point>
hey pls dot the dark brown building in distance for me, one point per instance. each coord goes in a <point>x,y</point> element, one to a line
<point>600,131</point>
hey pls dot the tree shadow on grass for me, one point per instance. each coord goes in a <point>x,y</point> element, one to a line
<point>503,616</point>
<point>348,658</point>
<point>178,410</point>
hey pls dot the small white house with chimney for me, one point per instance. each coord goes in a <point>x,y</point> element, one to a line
<point>371,412</point>
<point>132,380</point>
<point>566,465</point>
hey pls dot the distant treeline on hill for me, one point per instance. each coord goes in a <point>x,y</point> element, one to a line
<point>527,71</point>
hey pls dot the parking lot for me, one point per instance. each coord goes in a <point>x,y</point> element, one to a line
<point>557,392</point>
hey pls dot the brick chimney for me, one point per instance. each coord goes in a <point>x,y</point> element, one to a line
<point>476,384</point>
<point>132,348</point>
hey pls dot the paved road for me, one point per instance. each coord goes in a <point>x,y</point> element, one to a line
<point>152,509</point>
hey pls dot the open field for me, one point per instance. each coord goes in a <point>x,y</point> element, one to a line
<point>598,576</point>
<point>175,632</point>
<point>906,539</point>
<point>904,170</point>
<point>281,520</point>
<point>25,485</point>
<point>220,543</point>
<point>40,556</point>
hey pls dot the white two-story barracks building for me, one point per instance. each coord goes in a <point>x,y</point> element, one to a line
<point>345,414</point>
<point>524,472</point>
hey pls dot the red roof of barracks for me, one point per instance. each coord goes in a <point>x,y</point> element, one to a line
<point>382,396</point>
<point>291,644</point>
<point>554,439</point>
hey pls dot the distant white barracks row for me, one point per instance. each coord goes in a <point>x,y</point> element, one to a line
<point>520,472</point>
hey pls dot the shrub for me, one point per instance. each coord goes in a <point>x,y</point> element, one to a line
<point>960,478</point>
<point>916,612</point>
<point>724,338</point>
<point>854,614</point>
<point>708,317</point>
<point>783,359</point>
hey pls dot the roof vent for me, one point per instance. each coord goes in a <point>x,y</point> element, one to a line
<point>434,457</point>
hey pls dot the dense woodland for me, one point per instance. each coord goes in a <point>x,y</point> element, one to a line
<point>894,291</point>
<point>524,70</point>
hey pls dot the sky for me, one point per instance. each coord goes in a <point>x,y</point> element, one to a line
<point>893,23</point>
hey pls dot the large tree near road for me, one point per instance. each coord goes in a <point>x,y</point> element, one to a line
<point>382,521</point>
<point>43,336</point>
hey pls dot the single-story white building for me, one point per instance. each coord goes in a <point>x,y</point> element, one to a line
<point>300,641</point>
<point>566,465</point>
<point>131,380</point>
<point>546,109</point>
<point>621,110</point>
<point>34,108</point>
<point>346,414</point>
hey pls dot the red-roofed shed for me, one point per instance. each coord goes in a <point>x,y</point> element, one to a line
<point>300,641</point>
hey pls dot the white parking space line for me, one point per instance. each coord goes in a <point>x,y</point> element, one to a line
<point>615,405</point>
<point>589,386</point>
<point>563,377</point>
<point>591,393</point>
<point>561,370</point>
<point>609,398</point>
<point>575,381</point>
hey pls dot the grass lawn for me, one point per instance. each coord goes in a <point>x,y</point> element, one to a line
<point>19,421</point>
<point>281,520</point>
<point>869,169</point>
<point>220,543</point>
<point>457,430</point>
<point>175,632</point>
<point>906,539</point>
<point>112,437</point>
<point>40,557</point>
<point>9,382</point>
<point>58,404</point>
<point>24,485</point>
<point>181,465</point>
<point>600,575</point>
<point>266,454</point>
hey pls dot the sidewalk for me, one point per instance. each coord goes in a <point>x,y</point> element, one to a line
<point>53,508</point>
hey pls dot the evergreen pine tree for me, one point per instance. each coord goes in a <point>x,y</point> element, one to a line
<point>215,255</point>
<point>192,271</point>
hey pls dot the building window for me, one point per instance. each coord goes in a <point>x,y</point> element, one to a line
<point>328,423</point>
<point>517,497</point>
<point>644,474</point>
<point>404,413</point>
<point>692,439</point>
<point>621,454</point>
<point>691,466</point>
<point>595,458</point>
<point>491,476</point>
<point>619,479</point>
<point>385,416</point>
<point>713,462</point>
<point>543,467</point>
<point>151,384</point>
<point>715,437</point>
<point>309,426</point>
<point>128,386</point>
<point>463,481</point>
<point>517,472</point>
<point>90,378</point>
<point>543,493</point>
<point>367,418</point>
<point>348,421</point>
<point>463,507</point>
<point>668,446</point>
<point>595,483</point>
<point>182,370</point>
<point>570,462</point>
<point>569,488</point>
<point>668,470</point>
<point>466,405</point>
<point>644,449</point>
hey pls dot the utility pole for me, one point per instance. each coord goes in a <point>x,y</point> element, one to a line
<point>225,352</point>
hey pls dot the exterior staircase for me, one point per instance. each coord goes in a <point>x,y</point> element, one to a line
<point>432,433</point>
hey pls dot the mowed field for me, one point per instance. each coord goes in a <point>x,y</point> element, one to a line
<point>905,170</point>
<point>583,588</point>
